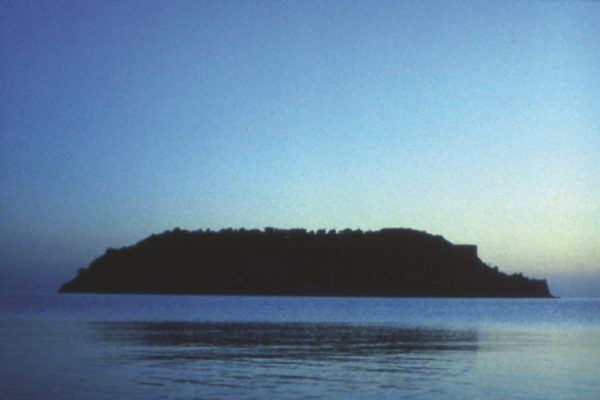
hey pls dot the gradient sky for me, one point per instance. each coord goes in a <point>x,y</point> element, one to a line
<point>475,120</point>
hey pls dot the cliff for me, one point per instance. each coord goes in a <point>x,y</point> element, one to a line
<point>389,262</point>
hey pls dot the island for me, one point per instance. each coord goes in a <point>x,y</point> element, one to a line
<point>394,262</point>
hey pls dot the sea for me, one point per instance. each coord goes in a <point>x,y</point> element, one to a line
<point>83,346</point>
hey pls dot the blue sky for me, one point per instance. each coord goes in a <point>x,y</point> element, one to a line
<point>476,120</point>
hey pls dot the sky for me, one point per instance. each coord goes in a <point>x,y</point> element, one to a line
<point>475,120</point>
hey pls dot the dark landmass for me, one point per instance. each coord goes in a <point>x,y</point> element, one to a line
<point>389,262</point>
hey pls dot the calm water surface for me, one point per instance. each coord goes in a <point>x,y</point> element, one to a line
<point>220,347</point>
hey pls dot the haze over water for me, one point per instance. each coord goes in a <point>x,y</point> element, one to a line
<point>186,347</point>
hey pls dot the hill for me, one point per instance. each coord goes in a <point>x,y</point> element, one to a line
<point>389,262</point>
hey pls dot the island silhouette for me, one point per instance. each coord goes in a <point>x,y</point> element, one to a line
<point>389,262</point>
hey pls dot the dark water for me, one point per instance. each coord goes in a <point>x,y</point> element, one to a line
<point>213,347</point>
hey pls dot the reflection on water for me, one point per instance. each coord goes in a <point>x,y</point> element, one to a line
<point>290,341</point>
<point>99,347</point>
<point>290,358</point>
